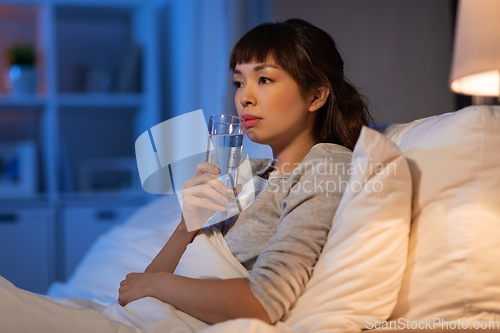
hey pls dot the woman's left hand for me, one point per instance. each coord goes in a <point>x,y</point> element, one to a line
<point>138,285</point>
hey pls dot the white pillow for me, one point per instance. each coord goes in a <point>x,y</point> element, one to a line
<point>453,264</point>
<point>163,213</point>
<point>358,274</point>
<point>395,131</point>
<point>125,248</point>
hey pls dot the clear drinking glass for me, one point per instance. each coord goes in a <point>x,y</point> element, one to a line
<point>224,146</point>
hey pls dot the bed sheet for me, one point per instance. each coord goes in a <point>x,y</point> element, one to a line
<point>23,311</point>
<point>125,248</point>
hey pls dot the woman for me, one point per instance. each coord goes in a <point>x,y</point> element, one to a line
<point>292,94</point>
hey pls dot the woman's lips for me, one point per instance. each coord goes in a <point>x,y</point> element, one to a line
<point>251,122</point>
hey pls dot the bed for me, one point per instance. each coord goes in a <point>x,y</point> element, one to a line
<point>372,268</point>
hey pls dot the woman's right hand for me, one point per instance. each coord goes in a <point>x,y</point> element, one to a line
<point>203,195</point>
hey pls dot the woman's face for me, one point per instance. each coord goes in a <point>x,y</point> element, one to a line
<point>270,101</point>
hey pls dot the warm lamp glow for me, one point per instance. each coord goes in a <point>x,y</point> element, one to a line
<point>480,84</point>
<point>475,67</point>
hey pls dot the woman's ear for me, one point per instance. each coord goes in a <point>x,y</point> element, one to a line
<point>318,98</point>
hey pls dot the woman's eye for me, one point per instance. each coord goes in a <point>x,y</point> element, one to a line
<point>237,84</point>
<point>264,80</point>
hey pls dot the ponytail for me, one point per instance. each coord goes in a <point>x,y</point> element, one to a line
<point>341,118</point>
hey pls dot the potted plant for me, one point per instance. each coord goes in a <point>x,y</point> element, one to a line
<point>23,75</point>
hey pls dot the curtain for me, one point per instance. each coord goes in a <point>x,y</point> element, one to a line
<point>197,37</point>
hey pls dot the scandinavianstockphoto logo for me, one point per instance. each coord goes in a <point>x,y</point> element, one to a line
<point>432,323</point>
<point>329,176</point>
<point>329,166</point>
<point>167,156</point>
<point>168,153</point>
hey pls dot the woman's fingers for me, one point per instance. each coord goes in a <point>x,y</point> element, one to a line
<point>134,287</point>
<point>204,191</point>
<point>207,179</point>
<point>200,203</point>
<point>205,167</point>
<point>239,188</point>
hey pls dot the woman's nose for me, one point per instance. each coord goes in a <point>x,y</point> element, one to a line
<point>248,97</point>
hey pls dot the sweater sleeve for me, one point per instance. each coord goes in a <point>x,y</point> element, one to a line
<point>285,264</point>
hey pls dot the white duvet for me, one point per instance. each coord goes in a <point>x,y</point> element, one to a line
<point>22,311</point>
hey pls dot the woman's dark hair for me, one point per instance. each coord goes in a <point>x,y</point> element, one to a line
<point>311,57</point>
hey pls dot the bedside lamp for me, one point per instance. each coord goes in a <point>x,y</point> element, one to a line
<point>475,66</point>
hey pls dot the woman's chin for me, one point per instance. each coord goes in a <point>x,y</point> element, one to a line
<point>255,138</point>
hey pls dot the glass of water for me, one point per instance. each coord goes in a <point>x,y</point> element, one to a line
<point>224,146</point>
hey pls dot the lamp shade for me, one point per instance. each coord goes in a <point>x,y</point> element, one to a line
<point>476,55</point>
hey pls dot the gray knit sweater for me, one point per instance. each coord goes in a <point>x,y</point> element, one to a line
<point>280,235</point>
